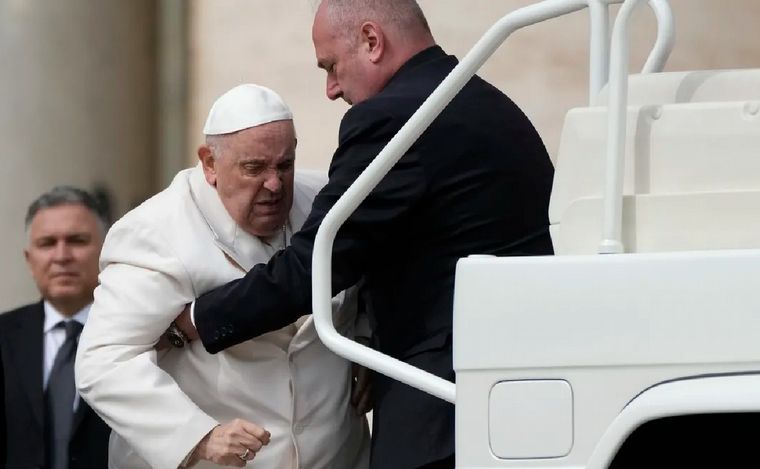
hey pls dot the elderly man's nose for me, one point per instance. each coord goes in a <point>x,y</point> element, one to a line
<point>273,183</point>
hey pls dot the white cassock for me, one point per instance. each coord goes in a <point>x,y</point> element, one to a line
<point>156,259</point>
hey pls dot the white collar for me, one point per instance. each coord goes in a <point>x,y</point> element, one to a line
<point>53,317</point>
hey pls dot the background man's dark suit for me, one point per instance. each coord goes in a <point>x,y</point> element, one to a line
<point>3,430</point>
<point>477,182</point>
<point>21,349</point>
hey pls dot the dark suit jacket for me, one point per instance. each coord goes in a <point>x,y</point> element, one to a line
<point>476,182</point>
<point>21,348</point>
<point>3,429</point>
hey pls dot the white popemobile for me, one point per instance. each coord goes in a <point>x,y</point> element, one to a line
<point>582,360</point>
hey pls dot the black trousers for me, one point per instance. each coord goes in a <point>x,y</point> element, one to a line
<point>446,463</point>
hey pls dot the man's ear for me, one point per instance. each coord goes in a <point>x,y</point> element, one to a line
<point>208,162</point>
<point>372,41</point>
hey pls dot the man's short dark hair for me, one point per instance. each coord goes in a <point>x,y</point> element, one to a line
<point>66,195</point>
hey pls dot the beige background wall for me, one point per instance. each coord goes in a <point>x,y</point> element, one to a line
<point>79,102</point>
<point>76,107</point>
<point>543,68</point>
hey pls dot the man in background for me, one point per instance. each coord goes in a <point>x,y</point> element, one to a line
<point>48,425</point>
<point>282,399</point>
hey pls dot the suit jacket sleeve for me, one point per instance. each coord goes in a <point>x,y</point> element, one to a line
<point>143,286</point>
<point>273,295</point>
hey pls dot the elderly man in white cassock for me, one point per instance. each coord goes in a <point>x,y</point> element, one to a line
<point>282,399</point>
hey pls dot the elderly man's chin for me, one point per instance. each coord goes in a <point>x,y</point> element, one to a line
<point>266,225</point>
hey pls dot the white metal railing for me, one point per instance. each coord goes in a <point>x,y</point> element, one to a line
<point>612,217</point>
<point>403,140</point>
<point>599,52</point>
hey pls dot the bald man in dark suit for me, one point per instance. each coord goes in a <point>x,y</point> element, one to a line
<point>477,181</point>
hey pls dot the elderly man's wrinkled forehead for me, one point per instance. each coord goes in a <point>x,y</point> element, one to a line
<point>278,133</point>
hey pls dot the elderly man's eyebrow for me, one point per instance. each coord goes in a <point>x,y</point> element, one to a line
<point>253,159</point>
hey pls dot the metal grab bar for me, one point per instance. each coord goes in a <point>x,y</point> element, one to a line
<point>599,51</point>
<point>666,37</point>
<point>612,221</point>
<point>599,48</point>
<point>379,167</point>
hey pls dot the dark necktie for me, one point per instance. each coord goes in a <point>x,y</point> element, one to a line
<point>59,398</point>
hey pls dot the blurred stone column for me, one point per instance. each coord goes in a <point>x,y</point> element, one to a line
<point>77,106</point>
<point>173,73</point>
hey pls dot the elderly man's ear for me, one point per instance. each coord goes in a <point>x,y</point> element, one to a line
<point>208,162</point>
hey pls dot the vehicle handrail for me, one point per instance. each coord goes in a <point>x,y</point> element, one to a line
<point>379,167</point>
<point>599,52</point>
<point>612,221</point>
<point>666,37</point>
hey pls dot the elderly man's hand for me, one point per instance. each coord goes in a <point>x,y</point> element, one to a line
<point>231,444</point>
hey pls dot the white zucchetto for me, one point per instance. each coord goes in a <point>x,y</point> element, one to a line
<point>243,107</point>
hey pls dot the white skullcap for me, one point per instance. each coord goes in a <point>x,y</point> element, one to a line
<point>243,107</point>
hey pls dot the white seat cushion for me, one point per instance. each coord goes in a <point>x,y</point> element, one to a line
<point>671,150</point>
<point>691,87</point>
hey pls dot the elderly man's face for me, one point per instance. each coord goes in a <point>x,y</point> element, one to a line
<point>64,246</point>
<point>253,174</point>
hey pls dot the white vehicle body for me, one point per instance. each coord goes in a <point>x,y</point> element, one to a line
<point>563,360</point>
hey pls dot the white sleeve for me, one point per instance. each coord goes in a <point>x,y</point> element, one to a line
<point>143,287</point>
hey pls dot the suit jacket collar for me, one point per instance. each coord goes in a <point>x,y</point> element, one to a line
<point>243,248</point>
<point>427,55</point>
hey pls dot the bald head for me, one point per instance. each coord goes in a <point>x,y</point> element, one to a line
<point>401,15</point>
<point>361,44</point>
